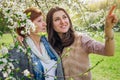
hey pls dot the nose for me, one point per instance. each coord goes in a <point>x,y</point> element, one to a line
<point>62,21</point>
<point>44,23</point>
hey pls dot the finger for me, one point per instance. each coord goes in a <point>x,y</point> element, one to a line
<point>115,20</point>
<point>112,9</point>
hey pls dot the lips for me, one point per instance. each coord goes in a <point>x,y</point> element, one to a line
<point>63,27</point>
<point>44,29</point>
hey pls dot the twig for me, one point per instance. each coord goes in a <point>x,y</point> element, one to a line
<point>37,3</point>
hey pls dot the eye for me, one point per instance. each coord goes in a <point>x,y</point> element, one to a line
<point>39,20</point>
<point>57,19</point>
<point>64,16</point>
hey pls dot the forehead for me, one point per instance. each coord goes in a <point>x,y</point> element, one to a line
<point>39,17</point>
<point>59,13</point>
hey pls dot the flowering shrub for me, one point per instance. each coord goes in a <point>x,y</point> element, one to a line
<point>15,16</point>
<point>12,11</point>
<point>6,65</point>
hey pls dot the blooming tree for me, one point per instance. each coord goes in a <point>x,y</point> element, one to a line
<point>84,19</point>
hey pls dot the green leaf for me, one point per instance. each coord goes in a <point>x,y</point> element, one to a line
<point>55,78</point>
<point>1,62</point>
<point>17,69</point>
<point>28,15</point>
<point>8,11</point>
<point>42,34</point>
<point>70,78</point>
<point>16,45</point>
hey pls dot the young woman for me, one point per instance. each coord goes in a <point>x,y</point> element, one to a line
<point>77,46</point>
<point>42,62</point>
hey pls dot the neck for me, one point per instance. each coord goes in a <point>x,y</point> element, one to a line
<point>60,35</point>
<point>35,38</point>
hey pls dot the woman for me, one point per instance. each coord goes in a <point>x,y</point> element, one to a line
<point>42,62</point>
<point>76,46</point>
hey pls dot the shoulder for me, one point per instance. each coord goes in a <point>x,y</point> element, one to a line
<point>16,53</point>
<point>20,61</point>
<point>77,34</point>
<point>83,37</point>
<point>18,56</point>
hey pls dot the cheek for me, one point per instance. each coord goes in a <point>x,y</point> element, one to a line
<point>38,28</point>
<point>67,20</point>
<point>55,28</point>
<point>55,24</point>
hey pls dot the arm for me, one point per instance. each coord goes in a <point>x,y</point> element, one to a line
<point>21,64</point>
<point>92,46</point>
<point>109,34</point>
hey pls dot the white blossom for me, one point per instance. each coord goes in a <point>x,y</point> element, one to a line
<point>11,46</point>
<point>14,13</point>
<point>22,32</point>
<point>4,63</point>
<point>26,72</point>
<point>10,78</point>
<point>9,68</point>
<point>4,50</point>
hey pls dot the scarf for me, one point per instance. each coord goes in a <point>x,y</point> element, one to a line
<point>38,69</point>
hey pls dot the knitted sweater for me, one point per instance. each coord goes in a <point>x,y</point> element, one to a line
<point>76,60</point>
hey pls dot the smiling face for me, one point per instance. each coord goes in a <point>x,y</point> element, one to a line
<point>40,24</point>
<point>61,22</point>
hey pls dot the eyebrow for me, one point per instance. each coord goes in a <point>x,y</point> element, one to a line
<point>62,15</point>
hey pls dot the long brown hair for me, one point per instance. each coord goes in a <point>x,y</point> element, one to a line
<point>57,43</point>
<point>34,13</point>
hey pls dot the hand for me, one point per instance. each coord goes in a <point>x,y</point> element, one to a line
<point>20,39</point>
<point>111,18</point>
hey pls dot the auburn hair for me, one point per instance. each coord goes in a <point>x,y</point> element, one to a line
<point>34,13</point>
<point>57,43</point>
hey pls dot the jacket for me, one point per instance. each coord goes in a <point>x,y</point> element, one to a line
<point>23,64</point>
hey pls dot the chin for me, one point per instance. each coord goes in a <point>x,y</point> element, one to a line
<point>43,31</point>
<point>64,31</point>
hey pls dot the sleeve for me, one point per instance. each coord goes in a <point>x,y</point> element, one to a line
<point>92,46</point>
<point>21,63</point>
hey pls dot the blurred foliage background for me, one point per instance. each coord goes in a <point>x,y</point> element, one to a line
<point>87,15</point>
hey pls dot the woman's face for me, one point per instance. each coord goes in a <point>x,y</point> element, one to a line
<point>40,24</point>
<point>61,22</point>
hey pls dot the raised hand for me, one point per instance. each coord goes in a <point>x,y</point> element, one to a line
<point>112,9</point>
<point>111,18</point>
